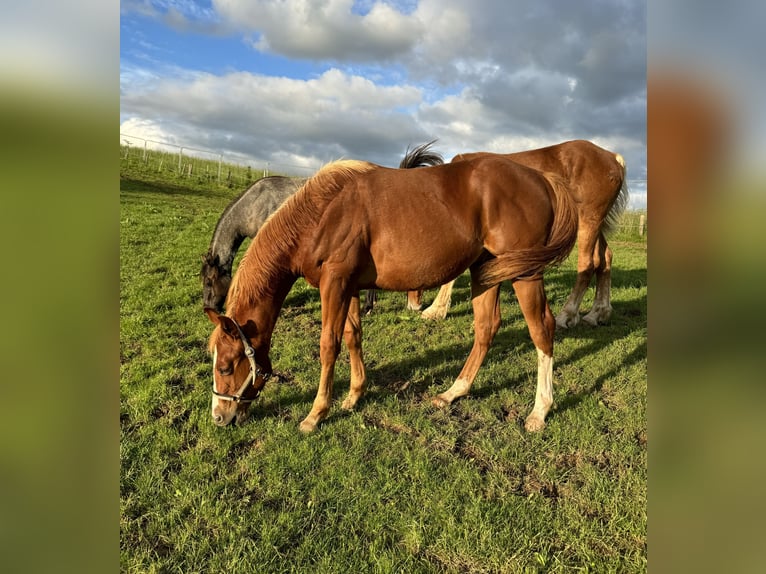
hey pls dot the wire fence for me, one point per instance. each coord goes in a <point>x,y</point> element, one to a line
<point>159,159</point>
<point>147,156</point>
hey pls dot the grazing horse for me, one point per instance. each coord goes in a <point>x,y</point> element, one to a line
<point>242,218</point>
<point>596,179</point>
<point>356,225</point>
<point>245,215</point>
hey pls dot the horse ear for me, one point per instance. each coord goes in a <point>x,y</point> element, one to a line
<point>224,322</point>
<point>213,315</point>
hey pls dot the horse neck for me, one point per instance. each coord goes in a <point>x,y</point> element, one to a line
<point>227,238</point>
<point>263,280</point>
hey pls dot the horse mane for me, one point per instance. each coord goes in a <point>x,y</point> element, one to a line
<point>263,263</point>
<point>421,156</point>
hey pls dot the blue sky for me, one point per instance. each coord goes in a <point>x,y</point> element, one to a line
<point>303,82</point>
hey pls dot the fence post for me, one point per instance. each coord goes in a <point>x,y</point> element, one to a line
<point>220,161</point>
<point>641,225</point>
<point>180,155</point>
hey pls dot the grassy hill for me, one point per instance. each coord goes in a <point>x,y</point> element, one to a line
<point>395,486</point>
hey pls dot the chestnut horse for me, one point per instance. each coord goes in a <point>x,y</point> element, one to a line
<point>245,215</point>
<point>596,179</point>
<point>356,225</point>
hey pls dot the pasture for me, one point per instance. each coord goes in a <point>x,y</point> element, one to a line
<point>396,485</point>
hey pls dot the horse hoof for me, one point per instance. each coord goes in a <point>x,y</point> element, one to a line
<point>564,321</point>
<point>596,319</point>
<point>349,404</point>
<point>307,427</point>
<point>439,402</point>
<point>432,315</point>
<point>534,424</point>
<point>590,320</point>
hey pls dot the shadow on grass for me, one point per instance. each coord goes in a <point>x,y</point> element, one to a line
<point>387,378</point>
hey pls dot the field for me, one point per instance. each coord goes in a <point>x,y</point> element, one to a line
<point>395,486</point>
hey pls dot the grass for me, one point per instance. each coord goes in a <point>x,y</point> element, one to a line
<point>395,486</point>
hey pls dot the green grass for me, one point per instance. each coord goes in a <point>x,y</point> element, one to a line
<point>395,486</point>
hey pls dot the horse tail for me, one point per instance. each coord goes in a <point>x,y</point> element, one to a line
<point>531,262</point>
<point>421,156</point>
<point>619,177</point>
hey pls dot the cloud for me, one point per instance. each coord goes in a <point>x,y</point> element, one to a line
<point>323,29</point>
<point>486,74</point>
<point>319,119</point>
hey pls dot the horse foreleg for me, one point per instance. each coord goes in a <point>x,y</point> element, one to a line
<point>440,306</point>
<point>352,334</point>
<point>486,322</point>
<point>335,304</point>
<point>602,304</point>
<point>541,325</point>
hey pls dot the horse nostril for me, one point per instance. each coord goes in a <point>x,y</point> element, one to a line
<point>218,419</point>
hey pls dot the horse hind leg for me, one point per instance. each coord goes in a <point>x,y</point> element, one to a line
<point>486,309</point>
<point>602,304</point>
<point>587,236</point>
<point>541,325</point>
<point>370,298</point>
<point>414,300</point>
<point>440,306</point>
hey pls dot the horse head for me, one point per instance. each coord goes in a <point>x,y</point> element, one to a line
<point>215,282</point>
<point>240,370</point>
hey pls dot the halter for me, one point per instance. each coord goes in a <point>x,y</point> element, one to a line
<point>255,370</point>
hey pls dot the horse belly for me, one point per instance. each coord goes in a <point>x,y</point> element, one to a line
<point>428,266</point>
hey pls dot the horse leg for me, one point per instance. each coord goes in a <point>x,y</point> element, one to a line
<point>440,306</point>
<point>587,236</point>
<point>352,334</point>
<point>414,300</point>
<point>486,322</point>
<point>602,304</point>
<point>541,325</point>
<point>371,296</point>
<point>335,303</point>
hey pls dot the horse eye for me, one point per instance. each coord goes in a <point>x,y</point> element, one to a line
<point>225,371</point>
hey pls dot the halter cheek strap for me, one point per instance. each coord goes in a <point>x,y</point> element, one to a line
<point>255,371</point>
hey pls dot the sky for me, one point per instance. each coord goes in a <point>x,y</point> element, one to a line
<point>297,83</point>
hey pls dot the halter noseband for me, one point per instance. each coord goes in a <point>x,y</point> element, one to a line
<point>255,370</point>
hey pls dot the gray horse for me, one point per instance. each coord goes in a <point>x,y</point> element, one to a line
<point>245,215</point>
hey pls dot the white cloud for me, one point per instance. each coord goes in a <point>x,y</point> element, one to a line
<point>322,118</point>
<point>323,29</point>
<point>483,75</point>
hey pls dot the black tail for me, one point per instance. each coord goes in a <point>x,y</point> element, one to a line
<point>421,156</point>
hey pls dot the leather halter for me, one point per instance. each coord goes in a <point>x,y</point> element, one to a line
<point>255,371</point>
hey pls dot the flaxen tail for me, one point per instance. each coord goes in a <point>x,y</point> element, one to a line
<point>533,261</point>
<point>621,200</point>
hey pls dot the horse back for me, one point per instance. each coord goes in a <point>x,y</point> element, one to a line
<point>594,174</point>
<point>262,199</point>
<point>406,229</point>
